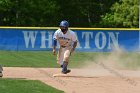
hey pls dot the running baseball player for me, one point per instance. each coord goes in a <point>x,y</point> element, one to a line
<point>68,41</point>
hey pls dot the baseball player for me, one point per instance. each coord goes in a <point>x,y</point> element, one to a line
<point>68,41</point>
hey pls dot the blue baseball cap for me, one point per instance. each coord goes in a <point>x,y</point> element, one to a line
<point>64,23</point>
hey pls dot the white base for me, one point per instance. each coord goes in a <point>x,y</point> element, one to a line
<point>60,75</point>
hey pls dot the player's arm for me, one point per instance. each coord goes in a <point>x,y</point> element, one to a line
<point>54,43</point>
<point>54,46</point>
<point>74,38</point>
<point>74,45</point>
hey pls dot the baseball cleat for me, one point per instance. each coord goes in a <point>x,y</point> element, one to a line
<point>61,66</point>
<point>65,72</point>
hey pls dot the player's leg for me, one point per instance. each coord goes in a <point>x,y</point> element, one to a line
<point>65,61</point>
<point>60,56</point>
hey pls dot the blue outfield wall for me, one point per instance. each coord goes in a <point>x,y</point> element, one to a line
<point>93,40</point>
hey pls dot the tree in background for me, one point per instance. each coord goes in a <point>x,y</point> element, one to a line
<point>28,12</point>
<point>80,13</point>
<point>124,13</point>
<point>83,13</point>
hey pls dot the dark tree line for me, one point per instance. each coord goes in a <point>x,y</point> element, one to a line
<point>80,13</point>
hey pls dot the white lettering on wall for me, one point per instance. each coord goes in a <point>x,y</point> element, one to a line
<point>114,40</point>
<point>30,36</point>
<point>44,39</point>
<point>87,38</point>
<point>97,40</point>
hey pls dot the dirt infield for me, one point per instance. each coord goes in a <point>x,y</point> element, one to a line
<point>81,80</point>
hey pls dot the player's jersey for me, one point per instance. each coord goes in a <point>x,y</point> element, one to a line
<point>66,39</point>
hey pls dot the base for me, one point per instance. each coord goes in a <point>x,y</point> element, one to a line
<point>60,75</point>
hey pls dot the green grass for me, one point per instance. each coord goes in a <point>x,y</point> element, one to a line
<point>78,59</point>
<point>25,86</point>
<point>27,59</point>
<point>46,59</point>
<point>39,59</point>
<point>130,61</point>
